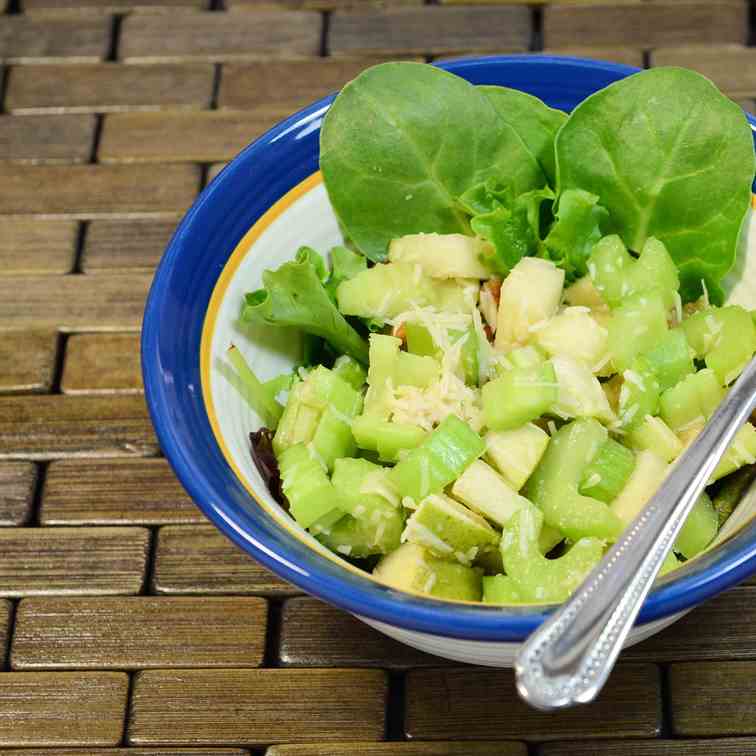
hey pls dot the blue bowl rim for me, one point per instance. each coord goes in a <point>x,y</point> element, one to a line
<point>464,621</point>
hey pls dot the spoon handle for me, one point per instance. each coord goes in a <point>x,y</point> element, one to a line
<point>569,657</point>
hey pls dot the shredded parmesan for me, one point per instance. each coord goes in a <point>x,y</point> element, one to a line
<point>705,293</point>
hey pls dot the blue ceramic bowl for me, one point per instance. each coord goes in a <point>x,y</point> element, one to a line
<point>259,176</point>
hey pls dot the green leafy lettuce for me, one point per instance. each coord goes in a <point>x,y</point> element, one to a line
<point>294,295</point>
<point>403,141</point>
<point>671,157</point>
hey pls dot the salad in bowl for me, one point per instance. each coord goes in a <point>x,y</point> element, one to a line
<point>529,316</point>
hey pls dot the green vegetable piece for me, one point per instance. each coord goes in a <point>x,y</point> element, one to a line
<point>513,232</point>
<point>742,451</point>
<point>384,351</point>
<point>468,354</point>
<point>691,401</point>
<point>655,268</point>
<point>257,395</point>
<point>635,327</point>
<point>653,434</point>
<point>375,519</point>
<point>449,529</point>
<point>578,227</point>
<point>608,265</point>
<point>671,157</point>
<point>439,460</point>
<point>414,370</point>
<point>669,564</point>
<point>501,589</point>
<point>305,483</point>
<point>526,357</point>
<point>298,422</point>
<point>639,395</point>
<point>333,438</point>
<point>731,492</point>
<point>345,264</point>
<point>350,370</point>
<point>670,359</point>
<point>516,453</point>
<point>553,487</point>
<point>413,568</point>
<point>519,396</point>
<point>608,472</point>
<point>387,438</point>
<point>535,122</point>
<point>419,340</point>
<point>725,337</point>
<point>401,175</point>
<point>293,295</point>
<point>536,577</point>
<point>482,489</point>
<point>280,383</point>
<point>699,529</point>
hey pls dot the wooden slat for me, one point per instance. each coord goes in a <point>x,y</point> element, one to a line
<point>90,191</point>
<point>72,561</point>
<point>314,634</point>
<point>113,246</point>
<point>242,707</point>
<point>138,633</point>
<point>201,560</point>
<point>126,752</point>
<point>723,628</point>
<point>27,361</point>
<point>628,55</point>
<point>220,36</point>
<point>107,88</point>
<point>102,363</point>
<point>645,24</point>
<point>36,246</point>
<point>52,139</point>
<point>65,708</point>
<point>713,698</point>
<point>24,40</point>
<point>278,88</point>
<point>67,8</point>
<point>5,619</point>
<point>465,704</point>
<point>73,302</point>
<point>115,492</point>
<point>731,67</point>
<point>172,137</point>
<point>46,427</point>
<point>430,30</point>
<point>17,483</point>
<point>400,749</point>
<point>665,747</point>
<point>321,5</point>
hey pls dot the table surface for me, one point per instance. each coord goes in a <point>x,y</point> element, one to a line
<point>126,622</point>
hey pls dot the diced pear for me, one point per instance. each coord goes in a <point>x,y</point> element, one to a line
<point>650,470</point>
<point>531,293</point>
<point>442,255</point>
<point>515,453</point>
<point>583,293</point>
<point>575,333</point>
<point>579,393</point>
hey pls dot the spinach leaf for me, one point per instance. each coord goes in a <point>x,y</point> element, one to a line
<point>580,223</point>
<point>402,141</point>
<point>294,295</point>
<point>535,122</point>
<point>671,157</point>
<point>514,232</point>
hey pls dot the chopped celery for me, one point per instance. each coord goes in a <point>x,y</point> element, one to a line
<point>349,370</point>
<point>387,438</point>
<point>298,421</point>
<point>280,383</point>
<point>553,487</point>
<point>606,474</point>
<point>515,453</point>
<point>732,490</point>
<point>518,396</point>
<point>256,394</point>
<point>636,326</point>
<point>449,529</point>
<point>741,452</point>
<point>384,351</point>
<point>310,493</point>
<point>482,489</point>
<point>526,357</point>
<point>536,577</point>
<point>439,460</point>
<point>670,359</point>
<point>415,370</point>
<point>691,401</point>
<point>699,528</point>
<point>639,394</point>
<point>500,589</point>
<point>413,568</point>
<point>608,265</point>
<point>332,438</point>
<point>656,436</point>
<point>419,340</point>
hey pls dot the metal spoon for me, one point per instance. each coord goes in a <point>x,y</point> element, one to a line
<point>569,657</point>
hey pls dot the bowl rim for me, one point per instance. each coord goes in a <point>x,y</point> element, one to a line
<point>389,606</point>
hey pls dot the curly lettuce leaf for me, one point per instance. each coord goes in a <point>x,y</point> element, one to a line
<point>580,223</point>
<point>294,295</point>
<point>671,157</point>
<point>345,264</point>
<point>514,232</point>
<point>485,197</point>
